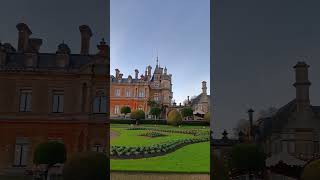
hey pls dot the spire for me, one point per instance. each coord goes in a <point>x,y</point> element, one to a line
<point>157,60</point>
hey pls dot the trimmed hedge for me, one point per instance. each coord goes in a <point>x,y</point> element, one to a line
<point>153,150</point>
<point>193,132</point>
<point>152,134</point>
<point>160,122</point>
<point>142,121</point>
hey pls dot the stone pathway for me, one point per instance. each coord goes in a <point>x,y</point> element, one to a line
<point>157,176</point>
<point>113,134</point>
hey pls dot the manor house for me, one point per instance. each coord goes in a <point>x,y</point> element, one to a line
<point>59,96</point>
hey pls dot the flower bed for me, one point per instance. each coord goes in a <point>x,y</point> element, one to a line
<point>152,134</point>
<point>123,152</point>
<point>193,132</point>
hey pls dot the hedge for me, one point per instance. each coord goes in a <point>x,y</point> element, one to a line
<point>193,132</point>
<point>152,134</point>
<point>160,122</point>
<point>153,150</point>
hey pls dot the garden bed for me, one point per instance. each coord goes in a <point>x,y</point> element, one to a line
<point>123,152</point>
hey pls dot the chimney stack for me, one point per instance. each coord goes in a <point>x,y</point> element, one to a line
<point>136,73</point>
<point>35,44</point>
<point>302,86</point>
<point>204,87</point>
<point>117,73</point>
<point>23,37</point>
<point>86,34</point>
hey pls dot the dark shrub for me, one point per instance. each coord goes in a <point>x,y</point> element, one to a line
<point>84,166</point>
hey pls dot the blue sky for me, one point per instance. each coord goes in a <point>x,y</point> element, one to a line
<point>179,30</point>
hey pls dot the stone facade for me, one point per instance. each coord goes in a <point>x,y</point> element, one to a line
<point>201,103</point>
<point>52,96</point>
<point>135,92</point>
<point>293,132</point>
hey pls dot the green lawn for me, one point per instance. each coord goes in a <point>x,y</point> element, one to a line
<point>194,158</point>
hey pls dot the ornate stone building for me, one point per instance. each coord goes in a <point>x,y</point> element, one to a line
<point>136,92</point>
<point>52,96</point>
<point>292,134</point>
<point>201,103</point>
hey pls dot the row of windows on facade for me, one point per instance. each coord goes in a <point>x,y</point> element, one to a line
<point>99,103</point>
<point>141,94</point>
<point>22,151</point>
<point>117,108</point>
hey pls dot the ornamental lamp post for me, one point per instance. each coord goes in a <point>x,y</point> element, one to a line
<point>250,113</point>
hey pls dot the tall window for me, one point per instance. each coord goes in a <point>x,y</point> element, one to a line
<point>117,93</point>
<point>116,109</point>
<point>100,102</point>
<point>58,101</point>
<point>141,93</point>
<point>25,100</point>
<point>21,152</point>
<point>128,93</point>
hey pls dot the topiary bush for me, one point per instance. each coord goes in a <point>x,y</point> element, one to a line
<point>125,110</point>
<point>174,118</point>
<point>311,171</point>
<point>137,115</point>
<point>84,166</point>
<point>49,153</point>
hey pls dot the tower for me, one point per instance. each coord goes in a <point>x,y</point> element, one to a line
<point>302,86</point>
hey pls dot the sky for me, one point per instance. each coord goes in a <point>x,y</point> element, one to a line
<point>55,21</point>
<point>177,30</point>
<point>255,46</point>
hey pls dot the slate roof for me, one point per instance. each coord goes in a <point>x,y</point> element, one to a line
<point>47,60</point>
<point>198,98</point>
<point>124,80</point>
<point>277,121</point>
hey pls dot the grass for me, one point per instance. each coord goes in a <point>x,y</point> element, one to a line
<point>194,158</point>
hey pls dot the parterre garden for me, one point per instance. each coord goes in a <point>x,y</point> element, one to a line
<point>160,148</point>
